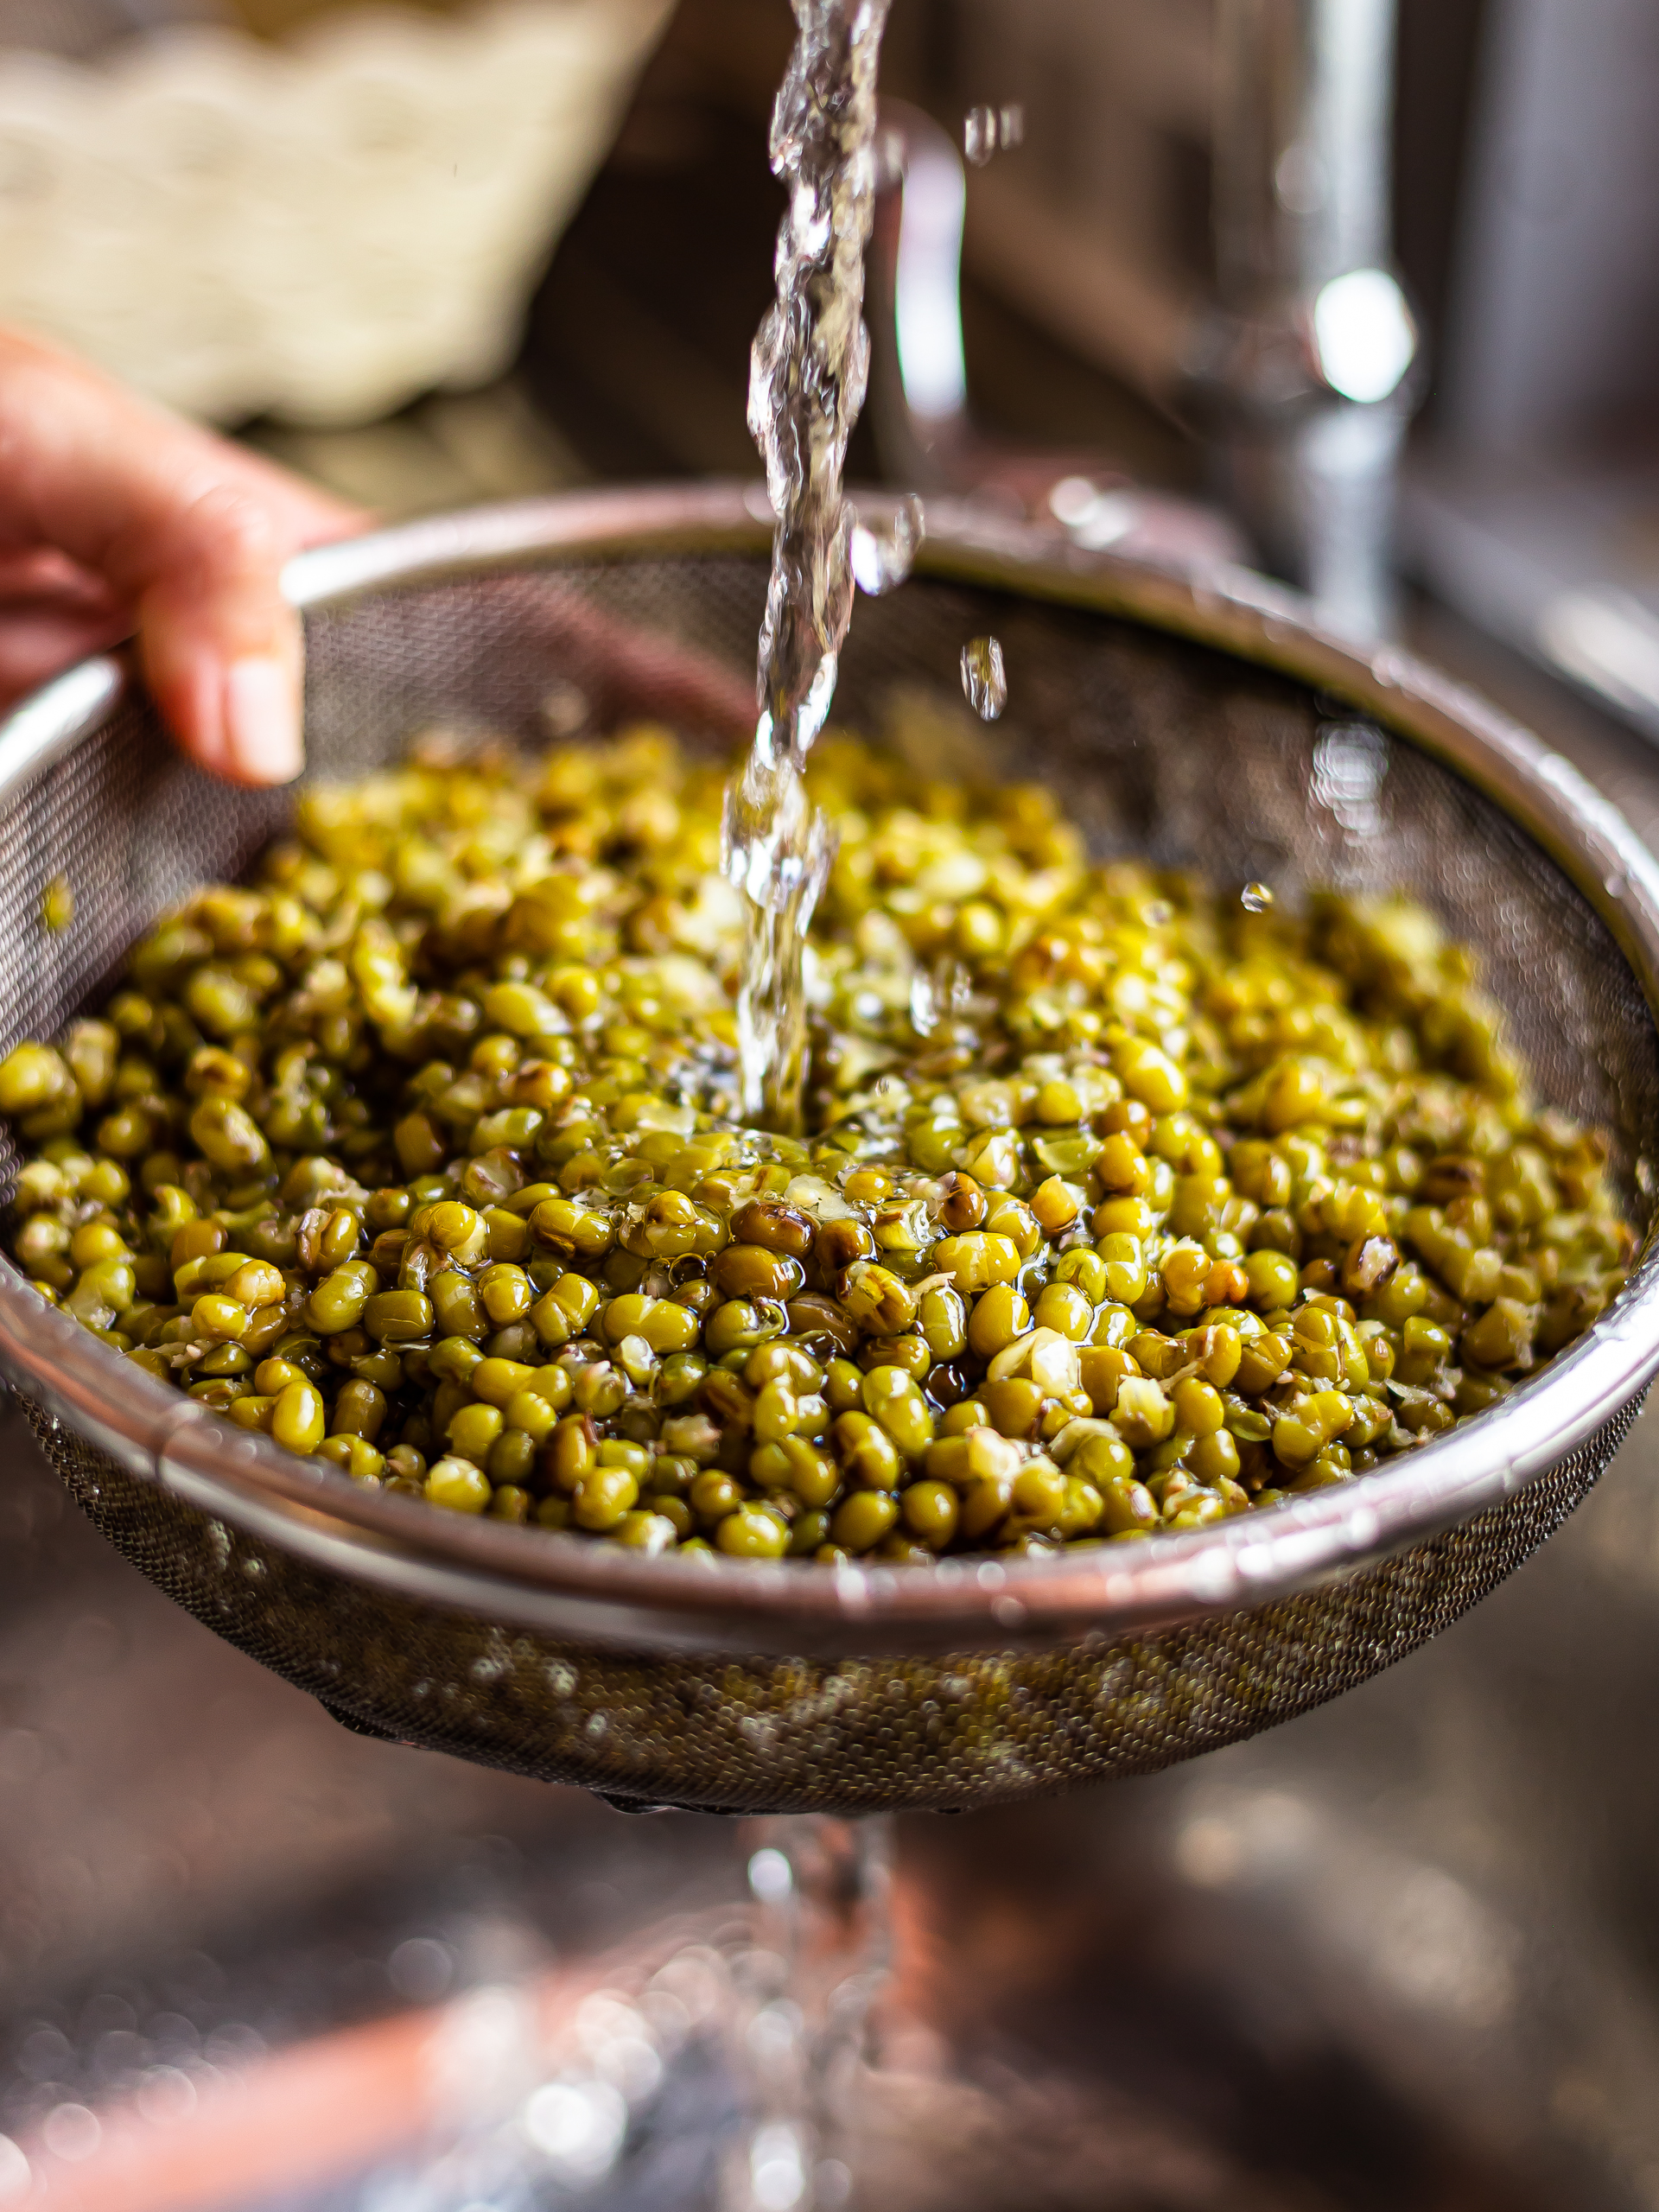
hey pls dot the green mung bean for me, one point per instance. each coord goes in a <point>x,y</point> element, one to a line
<point>419,1154</point>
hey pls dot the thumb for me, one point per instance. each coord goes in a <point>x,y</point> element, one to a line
<point>186,534</point>
<point>219,646</point>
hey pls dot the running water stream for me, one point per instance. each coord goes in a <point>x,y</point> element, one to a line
<point>808,374</point>
<point>807,381</point>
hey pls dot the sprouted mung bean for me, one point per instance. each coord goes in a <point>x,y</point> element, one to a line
<point>1123,1207</point>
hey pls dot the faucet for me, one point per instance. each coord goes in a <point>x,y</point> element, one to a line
<point>1305,371</point>
<point>1302,370</point>
<point>926,437</point>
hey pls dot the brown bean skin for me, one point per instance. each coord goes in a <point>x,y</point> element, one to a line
<point>963,1206</point>
<point>753,1271</point>
<point>780,1228</point>
<point>810,1315</point>
<point>841,1242</point>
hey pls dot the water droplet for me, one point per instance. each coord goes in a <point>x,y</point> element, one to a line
<point>984,678</point>
<point>579,2127</point>
<point>422,1969</point>
<point>1255,897</point>
<point>985,130</point>
<point>1071,500</point>
<point>17,2178</point>
<point>70,2133</point>
<point>770,1875</point>
<point>883,557</point>
<point>832,2183</point>
<point>777,2177</point>
<point>566,711</point>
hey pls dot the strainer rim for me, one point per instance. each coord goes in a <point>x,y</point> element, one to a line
<point>596,1592</point>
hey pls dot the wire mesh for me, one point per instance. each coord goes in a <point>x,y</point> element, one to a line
<point>1161,746</point>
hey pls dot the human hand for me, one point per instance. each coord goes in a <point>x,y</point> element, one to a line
<point>117,518</point>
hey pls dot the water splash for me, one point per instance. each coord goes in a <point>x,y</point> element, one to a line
<point>777,850</point>
<point>984,677</point>
<point>1255,897</point>
<point>883,558</point>
<point>807,378</point>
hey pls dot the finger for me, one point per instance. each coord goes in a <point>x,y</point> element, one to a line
<point>188,531</point>
<point>45,573</point>
<point>52,613</point>
<point>220,647</point>
<point>39,642</point>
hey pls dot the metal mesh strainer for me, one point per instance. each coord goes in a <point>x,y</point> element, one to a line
<point>1206,726</point>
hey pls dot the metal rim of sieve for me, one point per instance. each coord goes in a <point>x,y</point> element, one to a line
<point>603,1595</point>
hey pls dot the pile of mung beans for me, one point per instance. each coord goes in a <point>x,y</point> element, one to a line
<point>1119,1208</point>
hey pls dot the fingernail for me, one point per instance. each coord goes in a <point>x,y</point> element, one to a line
<point>262,721</point>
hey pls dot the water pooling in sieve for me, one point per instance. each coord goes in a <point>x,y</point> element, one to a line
<point>807,381</point>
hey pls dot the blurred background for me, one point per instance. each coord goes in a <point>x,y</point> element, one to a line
<point>1402,1954</point>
